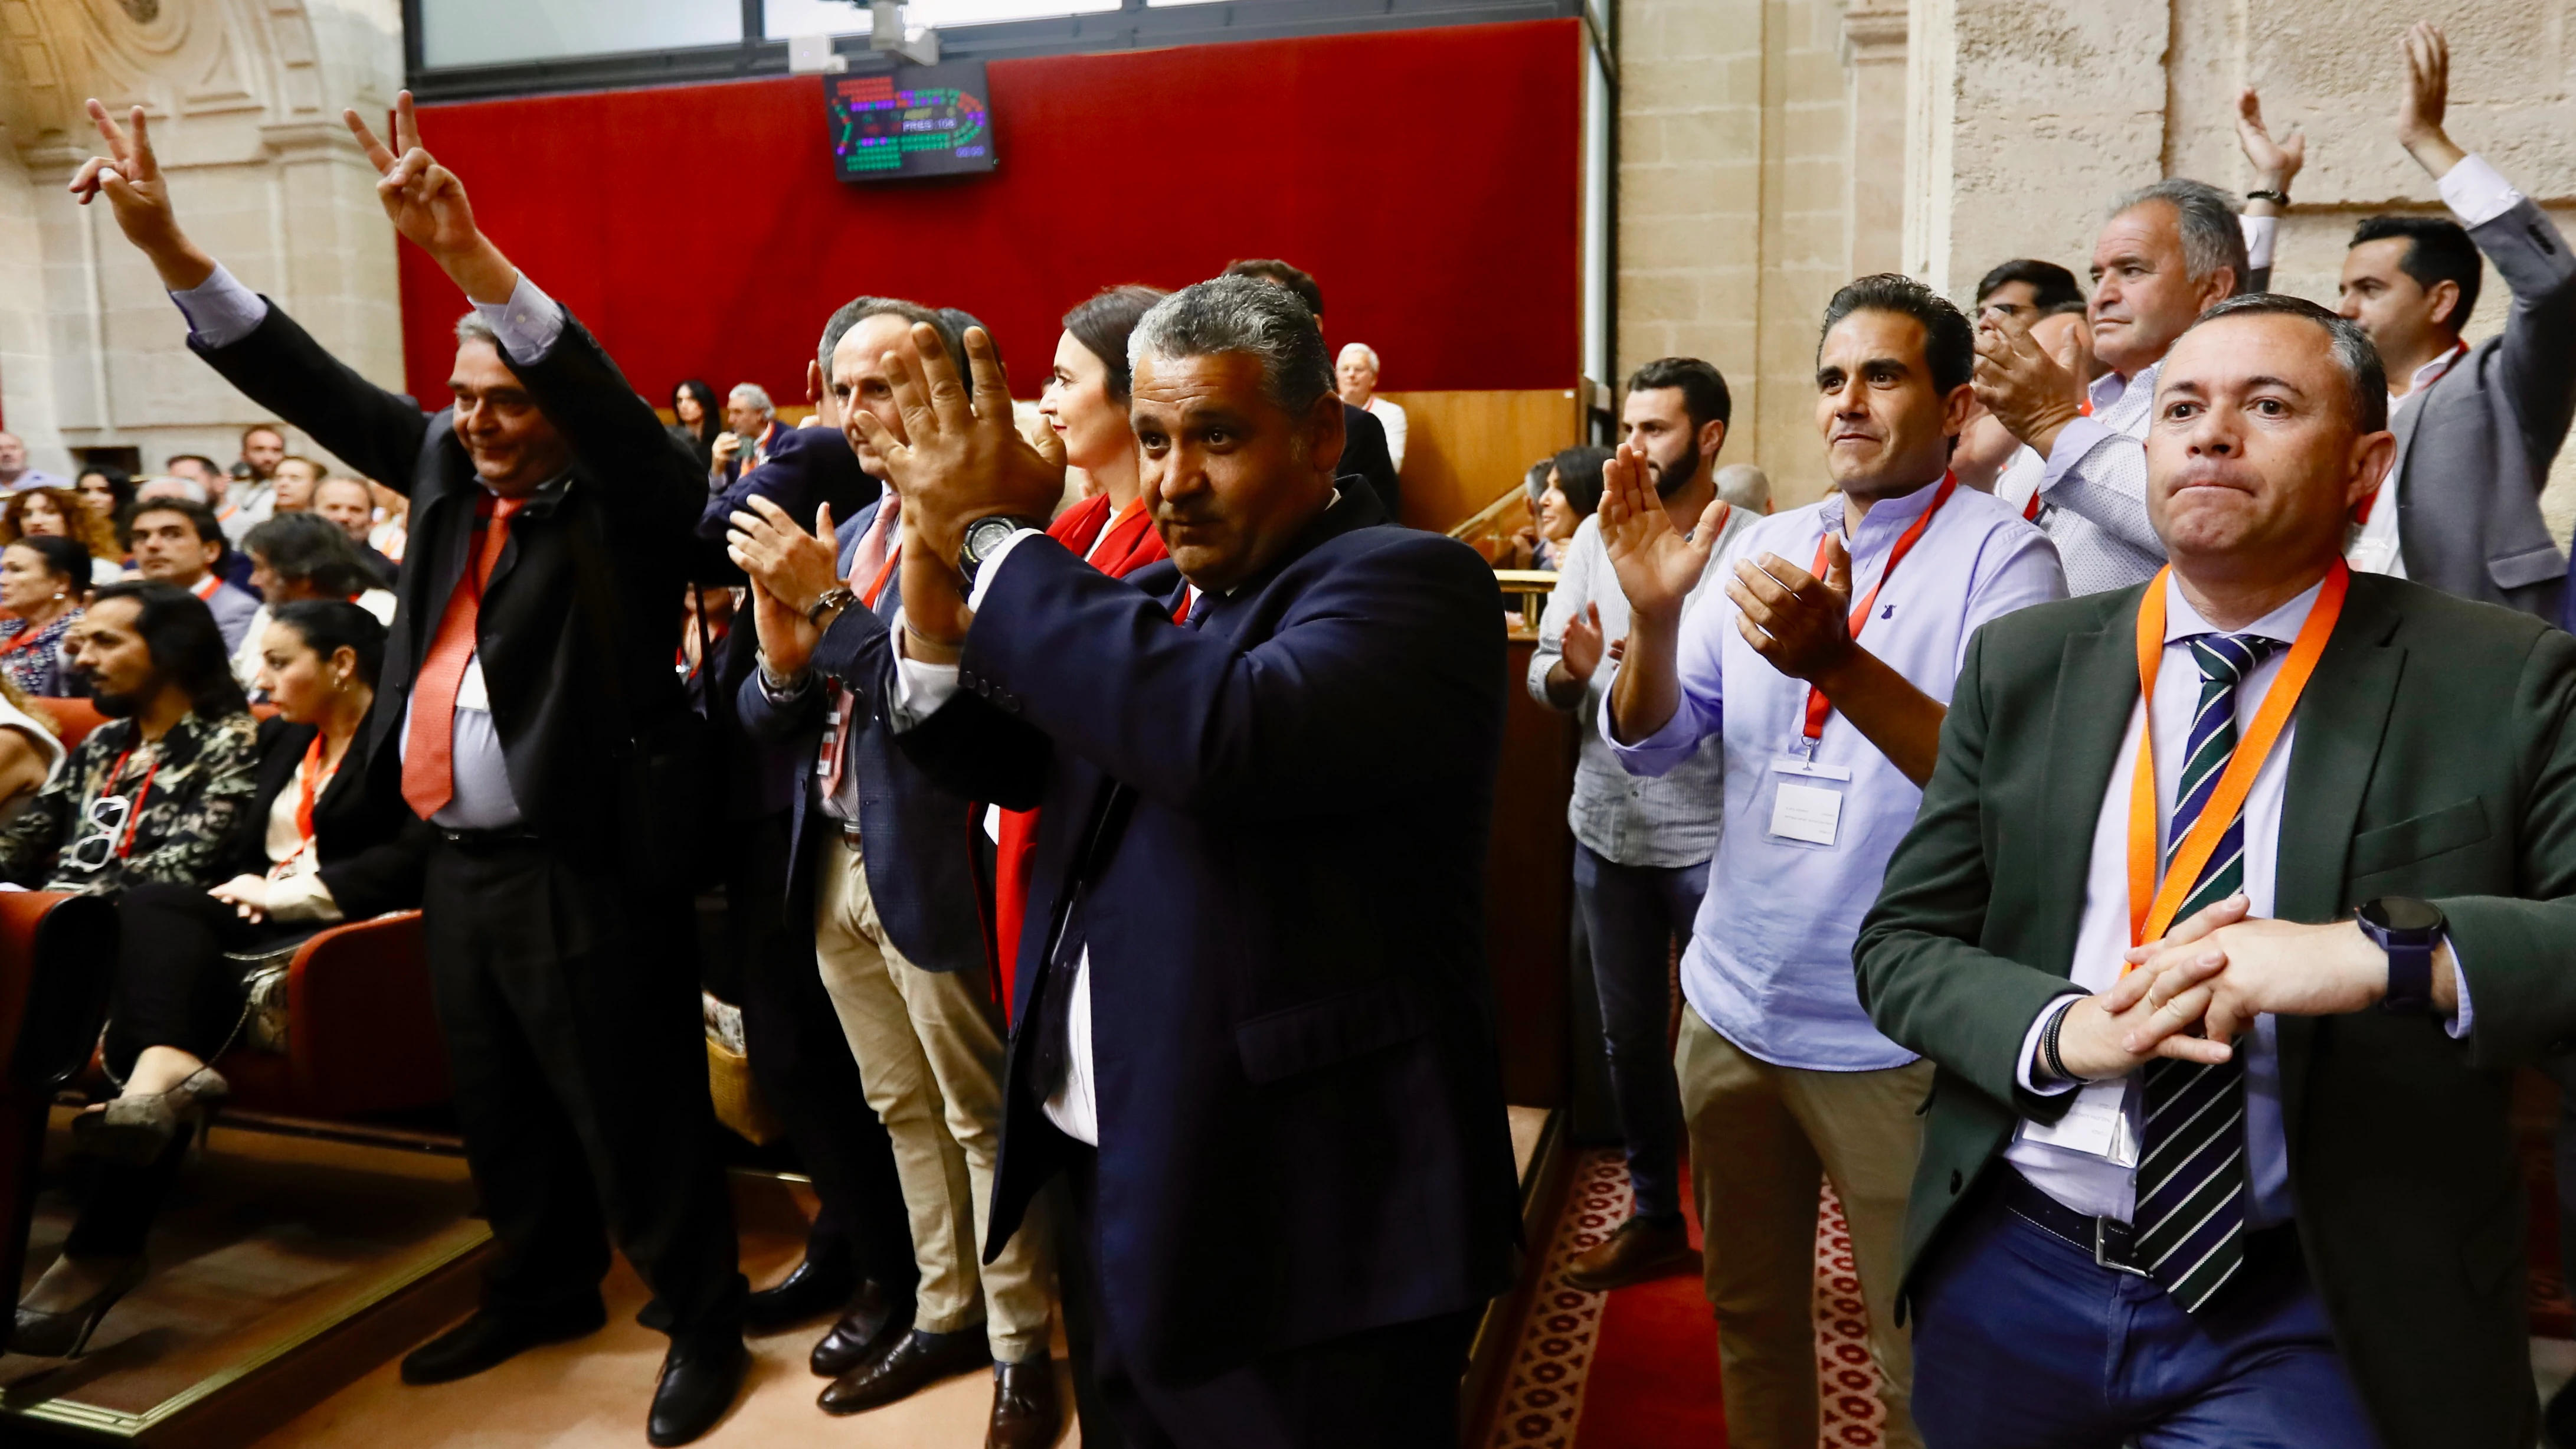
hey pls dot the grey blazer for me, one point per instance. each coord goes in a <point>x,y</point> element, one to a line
<point>2474,451</point>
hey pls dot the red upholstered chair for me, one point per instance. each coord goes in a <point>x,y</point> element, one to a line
<point>362,1036</point>
<point>53,995</point>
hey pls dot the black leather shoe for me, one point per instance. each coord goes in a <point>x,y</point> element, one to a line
<point>876,1320</point>
<point>817,1287</point>
<point>698,1385</point>
<point>489,1339</point>
<point>1025,1412</point>
<point>917,1361</point>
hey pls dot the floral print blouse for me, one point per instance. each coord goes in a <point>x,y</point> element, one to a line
<point>201,777</point>
<point>33,659</point>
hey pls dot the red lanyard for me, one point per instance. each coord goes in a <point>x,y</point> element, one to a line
<point>24,638</point>
<point>2152,908</point>
<point>205,588</point>
<point>312,780</point>
<point>133,807</point>
<point>1817,705</point>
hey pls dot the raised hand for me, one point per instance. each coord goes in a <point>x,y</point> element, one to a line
<point>2275,162</point>
<point>129,176</point>
<point>1580,651</point>
<point>965,459</point>
<point>1657,567</point>
<point>426,203</point>
<point>2427,99</point>
<point>1797,622</point>
<point>2029,391</point>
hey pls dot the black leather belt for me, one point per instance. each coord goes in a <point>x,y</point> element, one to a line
<point>2108,1239</point>
<point>476,840</point>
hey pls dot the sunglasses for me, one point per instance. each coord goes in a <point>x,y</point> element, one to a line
<point>108,815</point>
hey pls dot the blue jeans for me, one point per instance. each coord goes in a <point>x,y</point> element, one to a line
<point>2022,1341</point>
<point>1632,913</point>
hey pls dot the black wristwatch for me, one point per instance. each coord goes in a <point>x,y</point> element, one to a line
<point>836,597</point>
<point>984,538</point>
<point>2276,197</point>
<point>2408,930</point>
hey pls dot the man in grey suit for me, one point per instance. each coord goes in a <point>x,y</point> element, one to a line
<point>2476,426</point>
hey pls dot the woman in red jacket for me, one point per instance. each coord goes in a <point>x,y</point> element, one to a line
<point>1085,401</point>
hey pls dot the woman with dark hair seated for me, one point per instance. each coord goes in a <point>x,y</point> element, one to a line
<point>42,582</point>
<point>313,847</point>
<point>698,417</point>
<point>302,556</point>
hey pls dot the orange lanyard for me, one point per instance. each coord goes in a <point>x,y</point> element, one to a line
<point>313,780</point>
<point>885,571</point>
<point>2151,907</point>
<point>1817,705</point>
<point>205,588</point>
<point>24,638</point>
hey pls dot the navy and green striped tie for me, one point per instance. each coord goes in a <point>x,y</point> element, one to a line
<point>2190,1216</point>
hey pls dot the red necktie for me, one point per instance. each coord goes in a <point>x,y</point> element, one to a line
<point>429,741</point>
<point>867,579</point>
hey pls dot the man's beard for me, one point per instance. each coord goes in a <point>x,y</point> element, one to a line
<point>1674,479</point>
<point>118,706</point>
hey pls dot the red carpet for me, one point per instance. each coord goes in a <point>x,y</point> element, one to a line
<point>1637,1368</point>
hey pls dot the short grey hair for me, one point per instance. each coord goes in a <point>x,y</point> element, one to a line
<point>171,486</point>
<point>472,328</point>
<point>1363,349</point>
<point>2211,236</point>
<point>1745,486</point>
<point>859,309</point>
<point>754,394</point>
<point>1241,314</point>
<point>2364,374</point>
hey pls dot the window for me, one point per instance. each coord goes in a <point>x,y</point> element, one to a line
<point>499,32</point>
<point>782,18</point>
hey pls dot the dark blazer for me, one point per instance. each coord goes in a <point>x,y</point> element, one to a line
<point>2432,757</point>
<point>632,491</point>
<point>1364,452</point>
<point>371,845</point>
<point>807,467</point>
<point>917,839</point>
<point>1302,1130</point>
<point>2474,451</point>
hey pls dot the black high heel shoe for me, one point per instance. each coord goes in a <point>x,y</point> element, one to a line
<point>66,1333</point>
<point>136,1129</point>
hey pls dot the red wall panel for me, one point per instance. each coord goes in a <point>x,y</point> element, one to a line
<point>1427,178</point>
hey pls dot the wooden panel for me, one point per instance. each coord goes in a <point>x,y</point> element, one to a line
<point>1529,892</point>
<point>1463,450</point>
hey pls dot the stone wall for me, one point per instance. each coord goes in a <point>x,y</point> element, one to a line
<point>1771,149</point>
<point>244,98</point>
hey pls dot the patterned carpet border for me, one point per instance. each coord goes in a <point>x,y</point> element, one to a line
<point>1541,1406</point>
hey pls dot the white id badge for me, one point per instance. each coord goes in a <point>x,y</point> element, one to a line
<point>2095,1125</point>
<point>1811,813</point>
<point>2373,556</point>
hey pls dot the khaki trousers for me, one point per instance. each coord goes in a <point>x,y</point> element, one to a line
<point>931,1061</point>
<point>1761,1137</point>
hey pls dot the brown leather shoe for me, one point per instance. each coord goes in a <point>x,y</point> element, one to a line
<point>916,1361</point>
<point>875,1321</point>
<point>1637,1251</point>
<point>1026,1414</point>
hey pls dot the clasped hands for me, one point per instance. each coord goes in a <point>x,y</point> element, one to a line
<point>2189,995</point>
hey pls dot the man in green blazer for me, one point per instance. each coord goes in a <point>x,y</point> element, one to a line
<point>2259,1190</point>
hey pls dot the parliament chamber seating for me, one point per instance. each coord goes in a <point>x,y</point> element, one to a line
<point>361,1031</point>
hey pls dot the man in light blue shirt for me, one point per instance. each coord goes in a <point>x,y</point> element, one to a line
<point>1827,676</point>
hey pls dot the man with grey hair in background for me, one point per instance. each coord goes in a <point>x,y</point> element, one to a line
<point>1745,486</point>
<point>2166,253</point>
<point>1255,1028</point>
<point>751,428</point>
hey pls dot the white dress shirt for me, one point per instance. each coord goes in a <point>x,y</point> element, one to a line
<point>2104,1184</point>
<point>1769,963</point>
<point>2477,193</point>
<point>1391,417</point>
<point>220,312</point>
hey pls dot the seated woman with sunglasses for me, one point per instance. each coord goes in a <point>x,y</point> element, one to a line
<point>313,846</point>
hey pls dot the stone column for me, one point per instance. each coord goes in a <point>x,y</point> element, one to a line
<point>1874,65</point>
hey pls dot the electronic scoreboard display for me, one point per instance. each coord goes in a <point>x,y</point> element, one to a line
<point>920,120</point>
